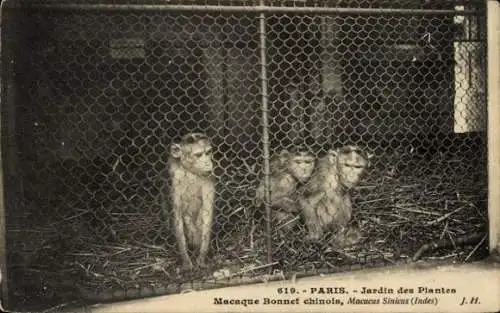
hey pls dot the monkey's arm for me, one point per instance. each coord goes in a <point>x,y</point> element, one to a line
<point>309,204</point>
<point>311,193</point>
<point>278,188</point>
<point>259,194</point>
<point>315,198</point>
<point>311,188</point>
<point>207,212</point>
<point>177,210</point>
<point>287,204</point>
<point>309,208</point>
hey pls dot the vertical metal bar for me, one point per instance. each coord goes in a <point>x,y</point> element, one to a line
<point>265,131</point>
<point>493,119</point>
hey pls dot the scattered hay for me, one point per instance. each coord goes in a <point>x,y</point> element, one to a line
<point>397,213</point>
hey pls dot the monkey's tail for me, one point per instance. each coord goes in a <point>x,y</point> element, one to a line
<point>164,203</point>
<point>445,243</point>
<point>120,294</point>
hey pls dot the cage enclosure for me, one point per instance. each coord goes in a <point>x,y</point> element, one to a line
<point>95,93</point>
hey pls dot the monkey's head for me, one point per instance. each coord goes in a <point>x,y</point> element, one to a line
<point>194,153</point>
<point>300,163</point>
<point>351,163</point>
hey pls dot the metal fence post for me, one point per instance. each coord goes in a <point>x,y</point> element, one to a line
<point>265,129</point>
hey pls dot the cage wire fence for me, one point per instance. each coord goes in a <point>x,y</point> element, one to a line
<point>94,98</point>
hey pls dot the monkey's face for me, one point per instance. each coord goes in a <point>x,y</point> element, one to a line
<point>197,157</point>
<point>351,167</point>
<point>301,167</point>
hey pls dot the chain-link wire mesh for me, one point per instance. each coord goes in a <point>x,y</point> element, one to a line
<point>95,99</point>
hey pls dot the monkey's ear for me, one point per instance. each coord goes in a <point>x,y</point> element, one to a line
<point>284,153</point>
<point>332,154</point>
<point>175,150</point>
<point>369,157</point>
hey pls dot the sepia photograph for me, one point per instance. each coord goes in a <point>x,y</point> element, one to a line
<point>250,155</point>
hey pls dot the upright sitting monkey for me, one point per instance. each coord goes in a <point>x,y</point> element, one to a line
<point>288,170</point>
<point>325,200</point>
<point>191,195</point>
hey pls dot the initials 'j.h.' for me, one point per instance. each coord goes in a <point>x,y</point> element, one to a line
<point>472,300</point>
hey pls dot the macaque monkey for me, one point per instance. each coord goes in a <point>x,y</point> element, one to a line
<point>325,200</point>
<point>192,196</point>
<point>288,170</point>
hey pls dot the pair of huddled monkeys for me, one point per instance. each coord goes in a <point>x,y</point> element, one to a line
<point>318,191</point>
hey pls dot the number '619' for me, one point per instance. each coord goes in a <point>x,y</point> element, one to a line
<point>286,290</point>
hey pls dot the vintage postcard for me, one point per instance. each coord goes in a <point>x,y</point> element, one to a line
<point>250,156</point>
